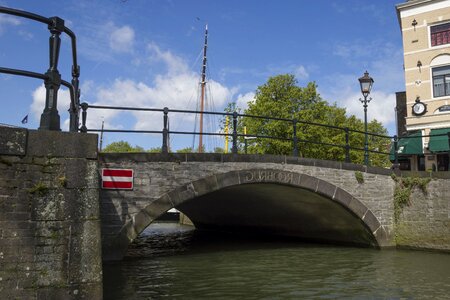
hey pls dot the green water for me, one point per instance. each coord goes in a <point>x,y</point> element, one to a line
<point>169,261</point>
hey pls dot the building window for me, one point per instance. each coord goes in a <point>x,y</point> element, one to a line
<point>441,81</point>
<point>440,34</point>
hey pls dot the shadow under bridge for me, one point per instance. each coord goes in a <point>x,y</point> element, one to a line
<point>278,209</point>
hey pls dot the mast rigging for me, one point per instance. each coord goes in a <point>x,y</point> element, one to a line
<point>202,97</point>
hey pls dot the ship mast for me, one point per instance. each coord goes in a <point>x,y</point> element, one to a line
<point>202,96</point>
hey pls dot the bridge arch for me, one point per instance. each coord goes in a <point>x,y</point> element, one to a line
<point>250,178</point>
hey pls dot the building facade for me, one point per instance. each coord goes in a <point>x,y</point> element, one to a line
<point>425,27</point>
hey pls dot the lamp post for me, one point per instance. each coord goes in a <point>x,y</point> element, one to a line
<point>366,83</point>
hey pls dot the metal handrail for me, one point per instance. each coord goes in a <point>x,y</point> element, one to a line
<point>52,78</point>
<point>234,135</point>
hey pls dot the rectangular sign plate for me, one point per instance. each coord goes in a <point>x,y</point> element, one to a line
<point>117,179</point>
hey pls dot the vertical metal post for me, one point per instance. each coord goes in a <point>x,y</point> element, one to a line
<point>396,165</point>
<point>234,149</point>
<point>84,107</point>
<point>101,137</point>
<point>366,138</point>
<point>50,118</point>
<point>164,148</point>
<point>294,137</point>
<point>347,145</point>
<point>74,107</point>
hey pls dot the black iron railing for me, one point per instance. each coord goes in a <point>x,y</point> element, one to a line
<point>294,138</point>
<point>50,119</point>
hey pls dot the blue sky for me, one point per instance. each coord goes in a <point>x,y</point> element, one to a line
<point>147,53</point>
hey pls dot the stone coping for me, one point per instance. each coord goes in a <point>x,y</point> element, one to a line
<point>257,158</point>
<point>47,143</point>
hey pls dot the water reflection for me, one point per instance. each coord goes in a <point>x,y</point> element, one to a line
<point>172,261</point>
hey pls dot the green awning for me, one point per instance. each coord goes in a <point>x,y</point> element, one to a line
<point>439,143</point>
<point>412,144</point>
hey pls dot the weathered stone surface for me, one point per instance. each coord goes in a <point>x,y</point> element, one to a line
<point>13,141</point>
<point>48,143</point>
<point>164,181</point>
<point>49,219</point>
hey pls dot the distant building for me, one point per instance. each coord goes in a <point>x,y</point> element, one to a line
<point>425,27</point>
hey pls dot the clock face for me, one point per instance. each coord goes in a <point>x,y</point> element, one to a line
<point>419,108</point>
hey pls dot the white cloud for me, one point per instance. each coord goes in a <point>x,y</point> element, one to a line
<point>121,39</point>
<point>381,107</point>
<point>301,73</point>
<point>177,89</point>
<point>6,20</point>
<point>102,42</point>
<point>243,100</point>
<point>174,63</point>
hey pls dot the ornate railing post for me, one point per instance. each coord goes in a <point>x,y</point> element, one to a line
<point>75,104</point>
<point>50,117</point>
<point>294,138</point>
<point>164,148</point>
<point>347,145</point>
<point>84,107</point>
<point>234,149</point>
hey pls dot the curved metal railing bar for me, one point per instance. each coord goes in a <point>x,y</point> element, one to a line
<point>50,117</point>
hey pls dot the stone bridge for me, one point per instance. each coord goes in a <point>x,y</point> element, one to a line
<point>306,198</point>
<point>55,221</point>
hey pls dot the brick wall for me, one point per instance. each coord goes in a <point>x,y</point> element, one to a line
<point>49,216</point>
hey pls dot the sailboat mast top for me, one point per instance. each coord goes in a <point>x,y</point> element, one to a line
<point>205,47</point>
<point>202,99</point>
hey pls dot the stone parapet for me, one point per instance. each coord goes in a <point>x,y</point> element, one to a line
<point>49,215</point>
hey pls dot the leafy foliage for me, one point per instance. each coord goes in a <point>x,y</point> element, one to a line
<point>280,97</point>
<point>403,189</point>
<point>122,147</point>
<point>359,177</point>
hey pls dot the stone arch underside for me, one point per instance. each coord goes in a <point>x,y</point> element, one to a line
<point>269,201</point>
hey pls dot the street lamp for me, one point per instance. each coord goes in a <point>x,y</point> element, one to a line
<point>366,83</point>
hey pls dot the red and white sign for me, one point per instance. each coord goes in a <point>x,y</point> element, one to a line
<point>117,179</point>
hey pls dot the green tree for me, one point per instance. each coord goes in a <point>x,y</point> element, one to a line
<point>185,150</point>
<point>218,150</point>
<point>154,150</point>
<point>226,125</point>
<point>281,98</point>
<point>121,147</point>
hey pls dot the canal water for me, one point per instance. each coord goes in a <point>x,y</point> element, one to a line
<point>171,261</point>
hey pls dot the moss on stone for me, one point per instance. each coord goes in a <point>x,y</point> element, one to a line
<point>39,189</point>
<point>359,176</point>
<point>5,161</point>
<point>403,189</point>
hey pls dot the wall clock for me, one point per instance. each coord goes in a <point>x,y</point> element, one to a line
<point>419,108</point>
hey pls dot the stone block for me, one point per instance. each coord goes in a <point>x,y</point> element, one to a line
<point>371,221</point>
<point>205,185</point>
<point>158,207</point>
<point>342,197</point>
<point>227,179</point>
<point>308,182</point>
<point>62,144</point>
<point>357,207</point>
<point>326,189</point>
<point>13,141</point>
<point>141,220</point>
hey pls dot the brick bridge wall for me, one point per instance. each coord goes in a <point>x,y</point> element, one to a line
<point>49,215</point>
<point>163,181</point>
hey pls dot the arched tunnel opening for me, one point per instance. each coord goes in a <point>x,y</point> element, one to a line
<point>276,210</point>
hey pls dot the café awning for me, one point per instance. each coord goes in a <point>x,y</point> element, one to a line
<point>439,140</point>
<point>409,145</point>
